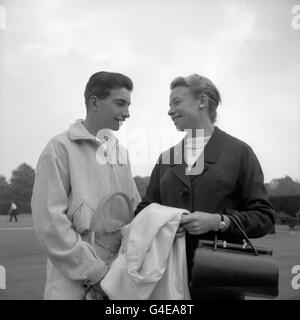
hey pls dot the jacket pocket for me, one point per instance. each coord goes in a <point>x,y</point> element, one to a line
<point>82,217</point>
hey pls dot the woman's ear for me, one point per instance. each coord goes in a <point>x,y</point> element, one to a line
<point>203,101</point>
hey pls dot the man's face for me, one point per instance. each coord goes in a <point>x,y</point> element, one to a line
<point>184,108</point>
<point>112,110</point>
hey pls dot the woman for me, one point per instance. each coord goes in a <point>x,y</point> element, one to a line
<point>210,173</point>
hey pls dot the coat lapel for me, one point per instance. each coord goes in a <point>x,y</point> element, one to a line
<point>211,151</point>
<point>177,163</point>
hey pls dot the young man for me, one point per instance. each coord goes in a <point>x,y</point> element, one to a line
<point>76,170</point>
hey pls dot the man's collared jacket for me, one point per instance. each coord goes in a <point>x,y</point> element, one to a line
<point>73,176</point>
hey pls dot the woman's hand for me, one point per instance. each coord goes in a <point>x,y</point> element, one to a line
<point>181,231</point>
<point>200,222</point>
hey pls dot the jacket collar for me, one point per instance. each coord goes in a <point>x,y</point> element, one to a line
<point>77,131</point>
<point>211,153</point>
<point>214,146</point>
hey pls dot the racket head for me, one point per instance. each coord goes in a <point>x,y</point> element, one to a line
<point>113,214</point>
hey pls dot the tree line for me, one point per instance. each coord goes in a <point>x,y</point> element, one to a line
<point>284,192</point>
<point>18,189</point>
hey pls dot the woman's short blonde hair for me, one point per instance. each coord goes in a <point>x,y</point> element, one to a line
<point>200,86</point>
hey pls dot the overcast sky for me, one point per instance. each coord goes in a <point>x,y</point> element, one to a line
<point>249,49</point>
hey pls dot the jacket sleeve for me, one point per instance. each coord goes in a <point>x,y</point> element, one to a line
<point>153,192</point>
<point>135,195</point>
<point>255,210</point>
<point>74,258</point>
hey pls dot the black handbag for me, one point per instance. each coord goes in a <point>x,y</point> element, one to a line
<point>243,268</point>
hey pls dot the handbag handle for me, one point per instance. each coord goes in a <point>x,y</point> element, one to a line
<point>238,223</point>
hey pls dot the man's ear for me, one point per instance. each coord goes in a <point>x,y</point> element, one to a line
<point>93,102</point>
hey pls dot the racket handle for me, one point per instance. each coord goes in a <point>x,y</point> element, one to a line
<point>92,238</point>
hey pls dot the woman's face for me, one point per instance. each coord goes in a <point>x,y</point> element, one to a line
<point>184,109</point>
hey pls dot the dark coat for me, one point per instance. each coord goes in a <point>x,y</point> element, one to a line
<point>231,182</point>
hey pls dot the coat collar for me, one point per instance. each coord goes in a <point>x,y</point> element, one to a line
<point>214,146</point>
<point>211,153</point>
<point>77,131</point>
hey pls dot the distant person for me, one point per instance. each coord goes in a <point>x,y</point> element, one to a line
<point>211,174</point>
<point>71,183</point>
<point>13,212</point>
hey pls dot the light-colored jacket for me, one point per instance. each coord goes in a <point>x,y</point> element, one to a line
<point>151,263</point>
<point>73,175</point>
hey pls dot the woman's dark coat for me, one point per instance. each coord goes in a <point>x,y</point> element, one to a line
<point>232,182</point>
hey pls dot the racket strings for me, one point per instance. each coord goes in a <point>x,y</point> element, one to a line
<point>115,213</point>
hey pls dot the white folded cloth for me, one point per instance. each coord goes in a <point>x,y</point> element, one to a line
<point>151,263</point>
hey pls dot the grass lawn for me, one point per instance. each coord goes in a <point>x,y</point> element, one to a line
<point>286,250</point>
<point>25,262</point>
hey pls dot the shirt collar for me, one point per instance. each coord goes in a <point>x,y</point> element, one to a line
<point>196,143</point>
<point>212,149</point>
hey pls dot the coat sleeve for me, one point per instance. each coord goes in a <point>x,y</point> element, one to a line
<point>153,192</point>
<point>255,210</point>
<point>74,258</point>
<point>135,195</point>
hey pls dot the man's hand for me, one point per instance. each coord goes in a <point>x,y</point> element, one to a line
<point>97,293</point>
<point>200,222</point>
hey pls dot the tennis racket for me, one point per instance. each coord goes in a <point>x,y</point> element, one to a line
<point>114,212</point>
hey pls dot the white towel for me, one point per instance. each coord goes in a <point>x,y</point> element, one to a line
<point>151,263</point>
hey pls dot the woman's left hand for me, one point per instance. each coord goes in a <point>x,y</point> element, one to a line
<point>200,222</point>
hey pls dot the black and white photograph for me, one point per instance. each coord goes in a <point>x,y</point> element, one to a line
<point>150,152</point>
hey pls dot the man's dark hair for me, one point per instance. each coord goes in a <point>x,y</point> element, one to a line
<point>102,82</point>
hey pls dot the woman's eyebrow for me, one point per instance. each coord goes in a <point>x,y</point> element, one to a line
<point>175,99</point>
